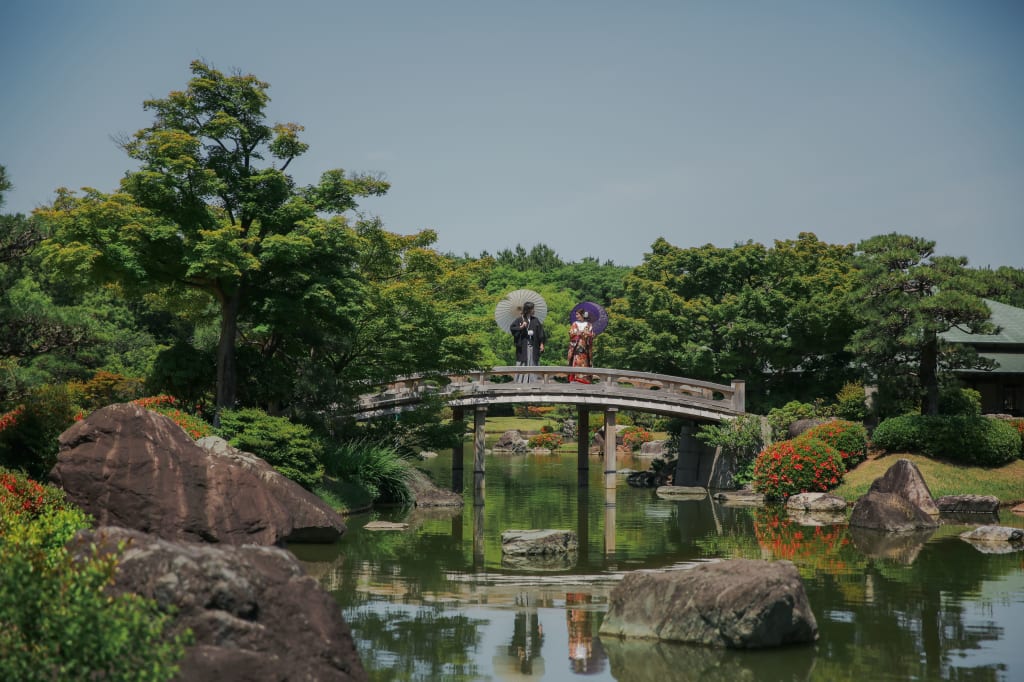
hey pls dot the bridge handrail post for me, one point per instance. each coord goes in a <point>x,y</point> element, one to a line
<point>739,395</point>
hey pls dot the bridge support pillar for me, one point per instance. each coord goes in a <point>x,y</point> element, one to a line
<point>479,421</point>
<point>610,466</point>
<point>582,446</point>
<point>458,416</point>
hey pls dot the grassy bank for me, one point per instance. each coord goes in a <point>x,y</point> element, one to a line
<point>943,478</point>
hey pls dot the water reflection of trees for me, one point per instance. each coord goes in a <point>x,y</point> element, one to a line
<point>416,644</point>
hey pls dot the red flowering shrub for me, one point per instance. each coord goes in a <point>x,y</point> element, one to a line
<point>820,547</point>
<point>634,436</point>
<point>797,466</point>
<point>10,419</point>
<point>549,441</point>
<point>850,439</point>
<point>165,405</point>
<point>20,494</point>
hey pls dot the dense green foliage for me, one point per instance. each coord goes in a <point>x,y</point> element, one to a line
<point>960,438</point>
<point>797,466</point>
<point>290,448</point>
<point>28,437</point>
<point>905,297</point>
<point>775,317</point>
<point>378,469</point>
<point>741,438</point>
<point>57,620</point>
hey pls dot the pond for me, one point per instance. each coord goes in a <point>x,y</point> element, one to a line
<point>436,602</point>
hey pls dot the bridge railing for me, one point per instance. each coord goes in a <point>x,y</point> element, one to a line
<point>546,378</point>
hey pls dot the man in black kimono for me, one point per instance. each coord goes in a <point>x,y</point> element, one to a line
<point>528,334</point>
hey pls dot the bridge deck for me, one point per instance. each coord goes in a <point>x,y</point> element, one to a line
<point>611,388</point>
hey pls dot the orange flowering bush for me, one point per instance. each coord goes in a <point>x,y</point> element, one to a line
<point>634,436</point>
<point>797,466</point>
<point>20,494</point>
<point>195,426</point>
<point>10,419</point>
<point>549,441</point>
<point>850,439</point>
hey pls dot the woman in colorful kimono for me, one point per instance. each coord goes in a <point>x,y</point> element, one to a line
<point>581,345</point>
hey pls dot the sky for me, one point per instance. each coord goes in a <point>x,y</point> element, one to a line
<point>591,127</point>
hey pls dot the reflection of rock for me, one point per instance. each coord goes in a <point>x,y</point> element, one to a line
<point>902,548</point>
<point>967,519</point>
<point>671,492</point>
<point>816,518</point>
<point>968,504</point>
<point>739,498</point>
<point>737,604</point>
<point>385,525</point>
<point>538,542</point>
<point>816,502</point>
<point>642,661</point>
<point>539,562</point>
<point>889,512</point>
<point>904,479</point>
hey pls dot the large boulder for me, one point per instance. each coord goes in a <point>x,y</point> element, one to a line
<point>890,512</point>
<point>904,479</point>
<point>128,466</point>
<point>736,604</point>
<point>426,493</point>
<point>512,440</point>
<point>254,612</point>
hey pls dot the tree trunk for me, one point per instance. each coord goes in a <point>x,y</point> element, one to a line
<point>929,376</point>
<point>227,378</point>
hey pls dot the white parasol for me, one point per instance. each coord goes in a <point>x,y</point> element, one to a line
<point>511,306</point>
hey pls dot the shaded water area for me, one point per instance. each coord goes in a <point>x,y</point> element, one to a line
<point>436,602</point>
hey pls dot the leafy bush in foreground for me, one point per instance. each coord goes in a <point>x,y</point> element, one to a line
<point>378,469</point>
<point>849,439</point>
<point>57,621</point>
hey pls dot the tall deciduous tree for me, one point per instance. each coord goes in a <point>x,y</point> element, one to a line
<point>905,298</point>
<point>210,198</point>
<point>776,318</point>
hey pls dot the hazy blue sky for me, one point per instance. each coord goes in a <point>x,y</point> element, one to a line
<point>593,127</point>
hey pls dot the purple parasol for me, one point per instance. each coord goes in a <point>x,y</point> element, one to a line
<point>598,315</point>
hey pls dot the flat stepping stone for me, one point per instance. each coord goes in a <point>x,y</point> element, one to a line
<point>680,491</point>
<point>385,525</point>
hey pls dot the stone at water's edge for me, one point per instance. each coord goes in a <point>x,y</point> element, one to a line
<point>891,513</point>
<point>994,534</point>
<point>737,604</point>
<point>968,504</point>
<point>1019,509</point>
<point>904,479</point>
<point>816,502</point>
<point>671,492</point>
<point>254,612</point>
<point>130,467</point>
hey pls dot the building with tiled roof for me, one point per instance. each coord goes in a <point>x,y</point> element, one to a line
<point>1002,389</point>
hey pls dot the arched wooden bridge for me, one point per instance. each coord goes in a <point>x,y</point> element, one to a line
<point>621,389</point>
<point>611,390</point>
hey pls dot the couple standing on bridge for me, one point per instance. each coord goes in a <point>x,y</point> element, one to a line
<point>529,337</point>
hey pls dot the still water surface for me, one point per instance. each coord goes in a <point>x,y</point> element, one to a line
<point>436,602</point>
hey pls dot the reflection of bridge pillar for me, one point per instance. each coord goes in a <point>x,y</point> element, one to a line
<point>609,447</point>
<point>457,452</point>
<point>609,521</point>
<point>582,445</point>
<point>478,534</point>
<point>583,521</point>
<point>479,421</point>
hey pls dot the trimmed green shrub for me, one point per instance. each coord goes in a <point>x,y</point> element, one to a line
<point>850,439</point>
<point>959,438</point>
<point>379,469</point>
<point>900,434</point>
<point>851,403</point>
<point>797,466</point>
<point>290,448</point>
<point>57,620</point>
